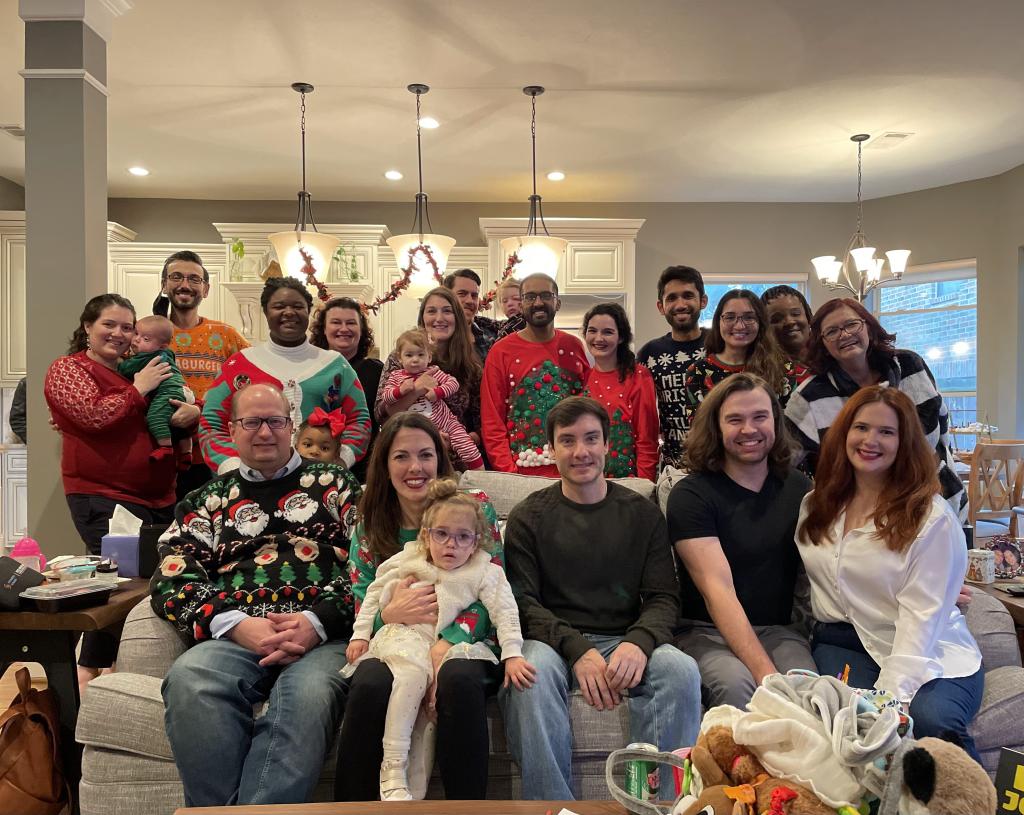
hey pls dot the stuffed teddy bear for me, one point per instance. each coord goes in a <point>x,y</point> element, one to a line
<point>721,762</point>
<point>939,778</point>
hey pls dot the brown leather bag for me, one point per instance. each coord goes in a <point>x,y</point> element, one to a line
<point>31,781</point>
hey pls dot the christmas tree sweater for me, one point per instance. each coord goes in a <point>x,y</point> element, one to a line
<point>633,409</point>
<point>705,373</point>
<point>310,377</point>
<point>472,625</point>
<point>259,547</point>
<point>522,381</point>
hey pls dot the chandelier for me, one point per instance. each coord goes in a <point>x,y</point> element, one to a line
<point>866,268</point>
<point>420,255</point>
<point>304,254</point>
<point>533,253</point>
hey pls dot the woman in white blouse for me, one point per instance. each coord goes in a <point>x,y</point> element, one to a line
<point>886,558</point>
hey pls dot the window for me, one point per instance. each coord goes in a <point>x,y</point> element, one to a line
<point>934,311</point>
<point>716,291</point>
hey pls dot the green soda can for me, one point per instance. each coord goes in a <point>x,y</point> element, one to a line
<point>642,777</point>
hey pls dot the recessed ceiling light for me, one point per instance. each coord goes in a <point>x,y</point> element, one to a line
<point>393,175</point>
<point>556,175</point>
<point>138,171</point>
<point>429,122</point>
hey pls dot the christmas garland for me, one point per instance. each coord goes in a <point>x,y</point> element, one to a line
<point>309,270</point>
<point>402,283</point>
<point>510,265</point>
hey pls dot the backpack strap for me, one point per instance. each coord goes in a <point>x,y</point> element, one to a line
<point>619,757</point>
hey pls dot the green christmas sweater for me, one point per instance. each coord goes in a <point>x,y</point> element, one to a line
<point>473,624</point>
<point>259,547</point>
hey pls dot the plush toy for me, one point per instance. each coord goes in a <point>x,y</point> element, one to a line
<point>939,778</point>
<point>712,801</point>
<point>719,760</point>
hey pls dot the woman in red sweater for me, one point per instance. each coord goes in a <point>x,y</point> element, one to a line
<point>626,389</point>
<point>106,449</point>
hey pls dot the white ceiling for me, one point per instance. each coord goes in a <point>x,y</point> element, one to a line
<point>648,100</point>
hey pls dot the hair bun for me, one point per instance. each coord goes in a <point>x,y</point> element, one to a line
<point>441,489</point>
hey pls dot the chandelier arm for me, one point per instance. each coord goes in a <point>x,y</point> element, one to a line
<point>540,212</point>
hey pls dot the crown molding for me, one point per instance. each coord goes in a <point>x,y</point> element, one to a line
<point>99,15</point>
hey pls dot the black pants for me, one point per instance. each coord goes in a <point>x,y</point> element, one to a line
<point>91,514</point>
<point>462,743</point>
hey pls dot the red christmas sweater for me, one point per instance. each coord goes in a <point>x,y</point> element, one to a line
<point>522,381</point>
<point>106,444</point>
<point>633,408</point>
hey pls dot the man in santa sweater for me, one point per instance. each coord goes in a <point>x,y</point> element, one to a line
<point>526,374</point>
<point>253,572</point>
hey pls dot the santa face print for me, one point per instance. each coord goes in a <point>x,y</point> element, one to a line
<point>458,525</point>
<point>296,507</point>
<point>248,519</point>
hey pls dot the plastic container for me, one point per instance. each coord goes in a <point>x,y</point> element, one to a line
<point>69,595</point>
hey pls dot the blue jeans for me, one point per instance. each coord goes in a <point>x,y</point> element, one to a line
<point>664,709</point>
<point>938,706</point>
<point>226,757</point>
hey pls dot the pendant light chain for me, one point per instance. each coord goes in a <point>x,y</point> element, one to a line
<point>860,176</point>
<point>533,138</point>
<point>419,149</point>
<point>302,127</point>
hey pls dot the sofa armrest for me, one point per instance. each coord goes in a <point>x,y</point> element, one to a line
<point>992,627</point>
<point>149,644</point>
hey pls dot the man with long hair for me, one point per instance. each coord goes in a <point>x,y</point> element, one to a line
<point>733,521</point>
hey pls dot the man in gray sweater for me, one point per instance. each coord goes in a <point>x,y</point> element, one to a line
<point>591,567</point>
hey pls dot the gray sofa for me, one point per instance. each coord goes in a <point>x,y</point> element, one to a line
<point>128,769</point>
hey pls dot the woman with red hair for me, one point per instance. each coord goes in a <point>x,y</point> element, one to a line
<point>886,557</point>
<point>848,350</point>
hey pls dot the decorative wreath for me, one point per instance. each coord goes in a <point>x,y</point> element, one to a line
<point>510,265</point>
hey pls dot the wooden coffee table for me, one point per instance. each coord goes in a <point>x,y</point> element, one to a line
<point>50,640</point>
<point>419,808</point>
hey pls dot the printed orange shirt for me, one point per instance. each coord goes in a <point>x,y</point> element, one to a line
<point>202,350</point>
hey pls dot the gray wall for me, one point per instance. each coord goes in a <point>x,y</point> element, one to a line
<point>12,194</point>
<point>981,219</point>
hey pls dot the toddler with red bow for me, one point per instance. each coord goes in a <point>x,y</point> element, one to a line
<point>318,436</point>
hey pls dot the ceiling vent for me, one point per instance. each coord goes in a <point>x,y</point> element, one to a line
<point>17,131</point>
<point>887,141</point>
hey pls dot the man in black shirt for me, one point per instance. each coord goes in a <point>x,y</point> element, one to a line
<point>591,566</point>
<point>681,299</point>
<point>733,522</point>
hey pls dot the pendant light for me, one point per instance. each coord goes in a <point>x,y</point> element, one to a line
<point>534,253</point>
<point>421,256</point>
<point>837,274</point>
<point>304,254</point>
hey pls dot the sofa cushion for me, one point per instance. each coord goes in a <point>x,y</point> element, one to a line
<point>149,644</point>
<point>992,628</point>
<point>123,711</point>
<point>507,489</point>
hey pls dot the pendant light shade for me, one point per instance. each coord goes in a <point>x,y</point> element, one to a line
<point>534,253</point>
<point>303,253</point>
<point>423,254</point>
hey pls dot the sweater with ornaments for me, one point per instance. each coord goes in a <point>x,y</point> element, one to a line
<point>258,547</point>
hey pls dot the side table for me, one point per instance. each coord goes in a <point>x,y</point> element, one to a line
<point>50,640</point>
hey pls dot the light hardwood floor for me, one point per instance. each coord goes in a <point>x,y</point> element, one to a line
<point>9,688</point>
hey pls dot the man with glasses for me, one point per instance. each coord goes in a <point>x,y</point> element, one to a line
<point>526,374</point>
<point>591,567</point>
<point>200,345</point>
<point>253,573</point>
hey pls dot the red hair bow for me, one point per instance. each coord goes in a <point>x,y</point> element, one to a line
<point>335,420</point>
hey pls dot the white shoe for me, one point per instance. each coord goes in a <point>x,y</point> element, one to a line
<point>394,783</point>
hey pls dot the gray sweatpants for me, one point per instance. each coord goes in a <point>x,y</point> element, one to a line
<point>724,679</point>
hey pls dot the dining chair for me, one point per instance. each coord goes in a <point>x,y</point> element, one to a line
<point>994,487</point>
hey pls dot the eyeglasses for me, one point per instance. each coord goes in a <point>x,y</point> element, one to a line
<point>544,296</point>
<point>742,319</point>
<point>850,327</point>
<point>254,423</point>
<point>178,277</point>
<point>462,540</point>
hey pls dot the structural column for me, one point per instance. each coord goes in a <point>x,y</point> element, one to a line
<point>66,217</point>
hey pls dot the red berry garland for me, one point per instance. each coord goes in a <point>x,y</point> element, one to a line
<point>402,283</point>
